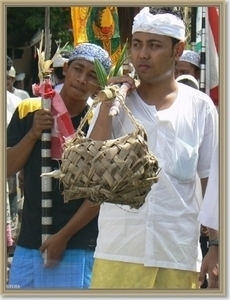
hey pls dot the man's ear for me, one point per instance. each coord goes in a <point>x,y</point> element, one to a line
<point>179,49</point>
<point>65,68</point>
<point>198,75</point>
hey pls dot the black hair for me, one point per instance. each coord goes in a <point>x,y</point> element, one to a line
<point>167,10</point>
<point>9,63</point>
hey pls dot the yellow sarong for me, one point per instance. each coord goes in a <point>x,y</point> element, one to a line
<point>122,275</point>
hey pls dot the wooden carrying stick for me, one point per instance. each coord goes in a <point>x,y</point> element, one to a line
<point>121,95</point>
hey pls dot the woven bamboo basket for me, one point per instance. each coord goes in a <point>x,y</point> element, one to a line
<point>119,171</point>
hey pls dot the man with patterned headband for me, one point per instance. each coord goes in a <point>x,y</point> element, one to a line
<point>157,246</point>
<point>71,246</point>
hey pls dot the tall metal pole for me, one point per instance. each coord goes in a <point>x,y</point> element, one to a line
<point>193,29</point>
<point>46,181</point>
<point>202,54</point>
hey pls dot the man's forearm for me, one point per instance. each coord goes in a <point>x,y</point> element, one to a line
<point>18,155</point>
<point>86,213</point>
<point>103,125</point>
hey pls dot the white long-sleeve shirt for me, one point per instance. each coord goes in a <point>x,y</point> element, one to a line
<point>164,232</point>
<point>12,102</point>
<point>210,206</point>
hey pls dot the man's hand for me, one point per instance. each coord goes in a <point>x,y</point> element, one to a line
<point>123,79</point>
<point>43,120</point>
<point>55,246</point>
<point>210,266</point>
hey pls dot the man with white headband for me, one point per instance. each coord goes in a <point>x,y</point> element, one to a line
<point>157,245</point>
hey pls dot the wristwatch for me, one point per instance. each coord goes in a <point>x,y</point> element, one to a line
<point>214,242</point>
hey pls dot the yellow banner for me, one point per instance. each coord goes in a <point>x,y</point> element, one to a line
<point>98,25</point>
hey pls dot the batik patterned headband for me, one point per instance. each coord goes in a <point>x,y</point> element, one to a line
<point>90,52</point>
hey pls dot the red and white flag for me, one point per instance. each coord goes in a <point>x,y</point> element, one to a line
<point>212,53</point>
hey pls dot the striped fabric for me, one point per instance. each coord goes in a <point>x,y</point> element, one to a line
<point>73,271</point>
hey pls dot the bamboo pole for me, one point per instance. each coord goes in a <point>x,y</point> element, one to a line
<point>46,182</point>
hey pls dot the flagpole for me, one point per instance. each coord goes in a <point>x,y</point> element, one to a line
<point>202,54</point>
<point>193,29</point>
<point>46,182</point>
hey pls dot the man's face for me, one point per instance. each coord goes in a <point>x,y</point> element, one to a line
<point>80,79</point>
<point>184,67</point>
<point>10,83</point>
<point>153,56</point>
<point>19,85</point>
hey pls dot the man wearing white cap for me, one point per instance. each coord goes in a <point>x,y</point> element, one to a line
<point>10,85</point>
<point>189,66</point>
<point>19,81</point>
<point>12,99</point>
<point>189,63</point>
<point>58,74</point>
<point>157,245</point>
<point>12,102</point>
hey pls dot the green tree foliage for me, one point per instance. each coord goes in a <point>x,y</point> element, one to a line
<point>24,22</point>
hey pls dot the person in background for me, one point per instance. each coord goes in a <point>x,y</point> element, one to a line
<point>188,80</point>
<point>19,81</point>
<point>10,85</point>
<point>187,71</point>
<point>157,246</point>
<point>71,246</point>
<point>12,102</point>
<point>189,63</point>
<point>9,239</point>
<point>209,216</point>
<point>58,75</point>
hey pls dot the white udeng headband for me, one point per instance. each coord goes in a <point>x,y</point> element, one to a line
<point>163,24</point>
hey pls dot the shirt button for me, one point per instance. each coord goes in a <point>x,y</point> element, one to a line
<point>149,224</point>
